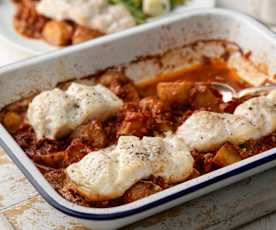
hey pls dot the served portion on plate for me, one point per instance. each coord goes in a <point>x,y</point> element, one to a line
<point>107,140</point>
<point>63,22</point>
<point>28,22</point>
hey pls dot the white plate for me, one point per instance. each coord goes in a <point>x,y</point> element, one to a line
<point>38,46</point>
<point>8,33</point>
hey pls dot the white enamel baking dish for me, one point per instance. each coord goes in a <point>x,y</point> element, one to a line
<point>46,71</point>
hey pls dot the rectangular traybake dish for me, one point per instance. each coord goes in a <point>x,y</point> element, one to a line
<point>45,72</point>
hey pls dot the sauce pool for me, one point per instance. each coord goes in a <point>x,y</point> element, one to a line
<point>211,72</point>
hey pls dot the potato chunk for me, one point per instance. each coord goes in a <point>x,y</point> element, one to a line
<point>226,155</point>
<point>92,133</point>
<point>53,160</point>
<point>140,190</point>
<point>203,97</point>
<point>174,92</point>
<point>12,121</point>
<point>120,85</point>
<point>58,33</point>
<point>82,34</point>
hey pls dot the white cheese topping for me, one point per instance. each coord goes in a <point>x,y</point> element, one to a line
<point>252,119</point>
<point>206,131</point>
<point>261,112</point>
<point>56,113</point>
<point>96,14</point>
<point>108,173</point>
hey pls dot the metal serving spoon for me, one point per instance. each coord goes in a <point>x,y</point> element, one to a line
<point>228,93</point>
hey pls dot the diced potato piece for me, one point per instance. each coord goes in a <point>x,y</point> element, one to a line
<point>156,7</point>
<point>12,121</point>
<point>203,97</point>
<point>120,85</point>
<point>226,155</point>
<point>75,152</point>
<point>112,77</point>
<point>140,190</point>
<point>53,160</point>
<point>58,33</point>
<point>82,34</point>
<point>174,92</point>
<point>93,133</point>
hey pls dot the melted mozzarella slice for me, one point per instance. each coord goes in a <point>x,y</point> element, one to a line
<point>109,173</point>
<point>56,113</point>
<point>96,14</point>
<point>206,131</point>
<point>261,112</point>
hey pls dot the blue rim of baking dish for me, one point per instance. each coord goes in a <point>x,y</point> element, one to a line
<point>151,205</point>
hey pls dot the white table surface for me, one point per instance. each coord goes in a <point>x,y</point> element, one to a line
<point>9,54</point>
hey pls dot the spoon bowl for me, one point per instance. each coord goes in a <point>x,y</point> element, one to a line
<point>228,92</point>
<point>225,90</point>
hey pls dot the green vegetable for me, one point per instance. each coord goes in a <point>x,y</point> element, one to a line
<point>137,3</point>
<point>134,7</point>
<point>175,3</point>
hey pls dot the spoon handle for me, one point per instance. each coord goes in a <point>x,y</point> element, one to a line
<point>255,90</point>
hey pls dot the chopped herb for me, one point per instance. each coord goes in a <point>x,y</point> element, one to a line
<point>134,7</point>
<point>175,3</point>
